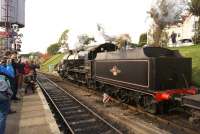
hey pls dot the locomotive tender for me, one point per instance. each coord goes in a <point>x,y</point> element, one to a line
<point>151,77</point>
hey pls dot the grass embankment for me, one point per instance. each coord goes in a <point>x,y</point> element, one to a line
<point>52,61</point>
<point>194,53</point>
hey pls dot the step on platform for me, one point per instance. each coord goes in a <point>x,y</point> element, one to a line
<point>33,116</point>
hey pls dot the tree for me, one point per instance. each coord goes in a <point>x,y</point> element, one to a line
<point>62,42</point>
<point>133,45</point>
<point>53,49</point>
<point>84,39</point>
<point>195,10</point>
<point>63,37</point>
<point>143,39</point>
<point>166,12</point>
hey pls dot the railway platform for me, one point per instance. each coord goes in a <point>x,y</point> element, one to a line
<point>32,116</point>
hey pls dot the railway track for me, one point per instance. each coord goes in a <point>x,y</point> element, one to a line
<point>173,123</point>
<point>73,116</point>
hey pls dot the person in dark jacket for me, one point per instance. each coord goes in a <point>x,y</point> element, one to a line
<point>14,83</point>
<point>29,80</point>
<point>33,66</point>
<point>173,38</point>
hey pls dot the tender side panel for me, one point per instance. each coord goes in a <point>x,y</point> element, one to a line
<point>126,73</point>
<point>173,73</point>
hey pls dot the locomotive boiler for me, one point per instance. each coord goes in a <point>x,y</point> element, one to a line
<point>77,65</point>
<point>150,77</point>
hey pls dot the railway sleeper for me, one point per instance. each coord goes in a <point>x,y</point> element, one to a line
<point>195,118</point>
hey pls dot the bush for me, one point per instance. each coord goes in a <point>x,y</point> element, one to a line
<point>196,39</point>
<point>53,49</point>
<point>143,39</point>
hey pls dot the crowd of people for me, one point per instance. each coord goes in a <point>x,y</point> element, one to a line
<point>16,77</point>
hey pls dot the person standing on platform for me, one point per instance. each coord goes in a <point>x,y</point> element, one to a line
<point>15,81</point>
<point>29,80</point>
<point>6,71</point>
<point>27,68</point>
<point>20,72</point>
<point>33,66</point>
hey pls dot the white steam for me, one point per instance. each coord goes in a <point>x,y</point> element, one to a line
<point>168,11</point>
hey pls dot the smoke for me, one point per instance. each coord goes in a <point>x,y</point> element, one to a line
<point>166,12</point>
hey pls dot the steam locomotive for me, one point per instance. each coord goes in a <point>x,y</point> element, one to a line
<point>156,79</point>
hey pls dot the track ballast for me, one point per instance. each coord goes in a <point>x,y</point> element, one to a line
<point>74,117</point>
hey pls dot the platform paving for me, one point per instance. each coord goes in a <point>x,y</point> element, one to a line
<point>32,116</point>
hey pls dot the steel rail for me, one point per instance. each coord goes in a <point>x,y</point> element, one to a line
<point>163,120</point>
<point>52,97</point>
<point>54,105</point>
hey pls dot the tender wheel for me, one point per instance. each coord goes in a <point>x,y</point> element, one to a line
<point>148,104</point>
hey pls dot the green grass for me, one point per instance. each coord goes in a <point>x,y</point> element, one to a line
<point>194,53</point>
<point>52,61</point>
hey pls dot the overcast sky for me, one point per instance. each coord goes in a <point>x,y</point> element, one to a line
<point>47,19</point>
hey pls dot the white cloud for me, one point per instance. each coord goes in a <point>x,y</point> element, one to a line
<point>47,19</point>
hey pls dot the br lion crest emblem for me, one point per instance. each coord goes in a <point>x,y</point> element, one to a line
<point>115,71</point>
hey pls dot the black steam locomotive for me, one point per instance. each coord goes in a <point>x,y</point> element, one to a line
<point>150,77</point>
